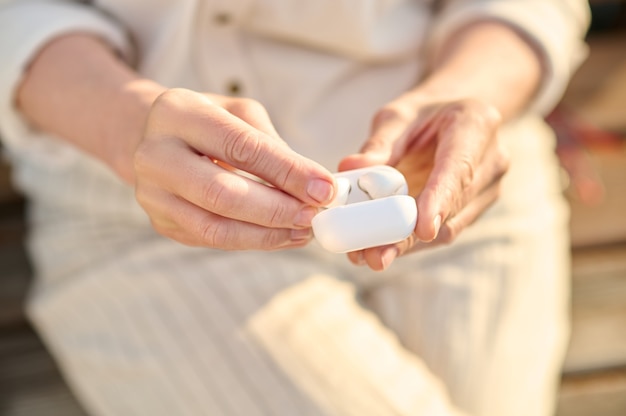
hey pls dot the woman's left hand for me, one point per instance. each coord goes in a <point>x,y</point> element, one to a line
<point>451,157</point>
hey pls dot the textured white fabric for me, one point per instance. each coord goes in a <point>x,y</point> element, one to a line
<point>144,326</point>
<point>321,68</point>
<point>554,27</point>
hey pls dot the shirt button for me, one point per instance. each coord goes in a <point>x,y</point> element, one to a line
<point>234,88</point>
<point>222,19</point>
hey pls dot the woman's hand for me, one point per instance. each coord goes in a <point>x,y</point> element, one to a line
<point>453,162</point>
<point>443,134</point>
<point>183,151</point>
<point>193,175</point>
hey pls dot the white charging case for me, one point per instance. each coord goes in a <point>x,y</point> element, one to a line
<point>354,220</point>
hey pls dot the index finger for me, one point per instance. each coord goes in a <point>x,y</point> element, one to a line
<point>460,149</point>
<point>213,131</point>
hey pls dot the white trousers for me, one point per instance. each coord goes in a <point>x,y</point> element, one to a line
<point>141,325</point>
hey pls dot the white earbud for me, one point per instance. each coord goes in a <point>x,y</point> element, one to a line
<point>371,209</point>
<point>379,184</point>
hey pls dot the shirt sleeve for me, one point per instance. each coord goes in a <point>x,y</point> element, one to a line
<point>25,27</point>
<point>556,27</point>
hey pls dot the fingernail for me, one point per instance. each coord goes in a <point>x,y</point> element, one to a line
<point>320,190</point>
<point>301,234</point>
<point>342,192</point>
<point>437,225</point>
<point>305,216</point>
<point>389,255</point>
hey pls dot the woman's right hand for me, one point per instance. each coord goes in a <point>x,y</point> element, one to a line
<point>188,175</point>
<point>166,142</point>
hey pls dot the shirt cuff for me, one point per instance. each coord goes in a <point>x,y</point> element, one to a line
<point>556,29</point>
<point>26,26</point>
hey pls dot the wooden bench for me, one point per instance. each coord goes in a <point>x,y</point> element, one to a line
<point>30,383</point>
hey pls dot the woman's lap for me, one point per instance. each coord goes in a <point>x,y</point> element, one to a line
<point>142,325</point>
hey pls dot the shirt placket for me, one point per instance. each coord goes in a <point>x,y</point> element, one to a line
<point>227,65</point>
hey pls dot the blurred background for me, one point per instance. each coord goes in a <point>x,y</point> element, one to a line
<point>591,127</point>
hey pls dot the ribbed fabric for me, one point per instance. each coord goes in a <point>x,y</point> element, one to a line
<point>141,325</point>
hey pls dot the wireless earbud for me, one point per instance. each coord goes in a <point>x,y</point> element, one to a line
<point>371,209</point>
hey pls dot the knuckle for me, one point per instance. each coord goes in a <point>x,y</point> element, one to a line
<point>277,216</point>
<point>172,96</point>
<point>284,174</point>
<point>172,104</point>
<point>273,239</point>
<point>243,147</point>
<point>142,158</point>
<point>461,111</point>
<point>485,112</point>
<point>475,109</point>
<point>388,113</point>
<point>459,181</point>
<point>166,101</point>
<point>217,195</point>
<point>461,106</point>
<point>162,229</point>
<point>245,105</point>
<point>454,198</point>
<point>214,234</point>
<point>492,116</point>
<point>141,197</point>
<point>456,115</point>
<point>466,173</point>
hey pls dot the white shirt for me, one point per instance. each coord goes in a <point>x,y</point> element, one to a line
<point>321,68</point>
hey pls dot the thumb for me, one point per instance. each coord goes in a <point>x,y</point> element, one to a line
<point>385,143</point>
